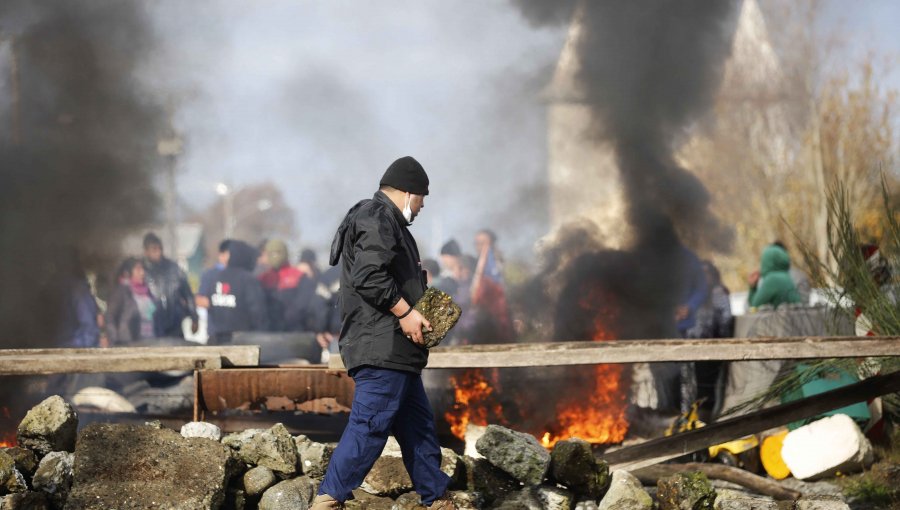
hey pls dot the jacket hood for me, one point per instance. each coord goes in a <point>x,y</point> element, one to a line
<point>242,255</point>
<point>337,244</point>
<point>774,258</point>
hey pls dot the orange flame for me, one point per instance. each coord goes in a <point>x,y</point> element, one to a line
<point>8,438</point>
<point>601,419</point>
<point>473,402</point>
<point>598,418</point>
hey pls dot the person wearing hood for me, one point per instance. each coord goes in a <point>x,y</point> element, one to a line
<point>772,284</point>
<point>291,297</point>
<point>381,342</point>
<point>169,285</point>
<point>236,301</point>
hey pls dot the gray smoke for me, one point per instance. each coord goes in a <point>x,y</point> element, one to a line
<point>78,167</point>
<point>647,71</point>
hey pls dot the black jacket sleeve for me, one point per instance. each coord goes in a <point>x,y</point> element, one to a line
<point>373,251</point>
<point>256,301</point>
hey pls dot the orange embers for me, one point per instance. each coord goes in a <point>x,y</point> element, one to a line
<point>7,438</point>
<point>474,402</point>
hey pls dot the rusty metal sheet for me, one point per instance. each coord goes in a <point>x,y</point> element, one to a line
<point>232,388</point>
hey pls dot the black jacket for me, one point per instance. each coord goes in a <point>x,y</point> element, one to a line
<point>236,300</point>
<point>380,264</point>
<point>173,294</point>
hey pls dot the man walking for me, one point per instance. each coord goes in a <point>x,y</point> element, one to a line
<point>381,341</point>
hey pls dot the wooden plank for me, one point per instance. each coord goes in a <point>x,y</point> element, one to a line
<point>687,442</point>
<point>758,484</point>
<point>650,351</point>
<point>124,359</point>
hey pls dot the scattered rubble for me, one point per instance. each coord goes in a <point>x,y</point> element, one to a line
<point>517,453</point>
<point>49,427</point>
<point>54,477</point>
<point>625,493</point>
<point>150,466</point>
<point>201,429</point>
<point>685,491</point>
<point>273,448</point>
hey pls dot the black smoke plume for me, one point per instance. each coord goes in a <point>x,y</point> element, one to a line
<point>646,70</point>
<point>77,152</point>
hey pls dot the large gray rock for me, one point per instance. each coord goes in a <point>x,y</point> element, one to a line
<point>554,498</point>
<point>293,494</point>
<point>25,459</point>
<point>313,456</point>
<point>685,491</point>
<point>625,493</point>
<point>362,500</point>
<point>54,477</point>
<point>488,481</point>
<point>201,429</point>
<point>11,480</point>
<point>388,477</point>
<point>728,499</point>
<point>572,463</point>
<point>518,454</point>
<point>25,501</point>
<point>258,479</point>
<point>408,501</point>
<point>49,427</point>
<point>127,466</point>
<point>273,448</point>
<point>523,499</point>
<point>821,503</point>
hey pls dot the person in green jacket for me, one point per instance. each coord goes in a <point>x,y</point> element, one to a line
<point>772,284</point>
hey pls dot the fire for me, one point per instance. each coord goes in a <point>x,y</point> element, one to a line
<point>600,418</point>
<point>595,414</point>
<point>7,439</point>
<point>473,402</point>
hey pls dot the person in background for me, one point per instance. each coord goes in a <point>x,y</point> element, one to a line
<point>237,302</point>
<point>488,292</point>
<point>432,271</point>
<point>131,314</point>
<point>208,278</point>
<point>309,264</point>
<point>78,324</point>
<point>169,285</point>
<point>451,258</point>
<point>772,284</point>
<point>714,320</point>
<point>801,281</point>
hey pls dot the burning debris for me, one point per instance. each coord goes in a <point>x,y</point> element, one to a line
<point>139,466</point>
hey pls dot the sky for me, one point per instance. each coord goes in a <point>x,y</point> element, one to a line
<point>320,97</point>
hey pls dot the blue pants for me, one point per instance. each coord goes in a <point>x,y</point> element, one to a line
<point>387,402</point>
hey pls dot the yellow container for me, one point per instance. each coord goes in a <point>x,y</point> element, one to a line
<point>770,455</point>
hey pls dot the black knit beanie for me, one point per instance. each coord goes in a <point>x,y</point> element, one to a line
<point>406,174</point>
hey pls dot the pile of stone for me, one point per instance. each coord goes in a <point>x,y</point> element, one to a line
<point>116,466</point>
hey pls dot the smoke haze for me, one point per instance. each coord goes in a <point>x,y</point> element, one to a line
<point>78,165</point>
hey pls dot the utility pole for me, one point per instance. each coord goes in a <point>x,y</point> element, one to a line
<point>170,146</point>
<point>14,86</point>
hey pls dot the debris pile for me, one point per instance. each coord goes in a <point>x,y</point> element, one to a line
<point>148,466</point>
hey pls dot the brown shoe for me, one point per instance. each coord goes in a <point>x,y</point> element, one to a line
<point>444,503</point>
<point>326,502</point>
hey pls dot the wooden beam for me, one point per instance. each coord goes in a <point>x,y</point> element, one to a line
<point>650,475</point>
<point>124,359</point>
<point>657,450</point>
<point>650,351</point>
